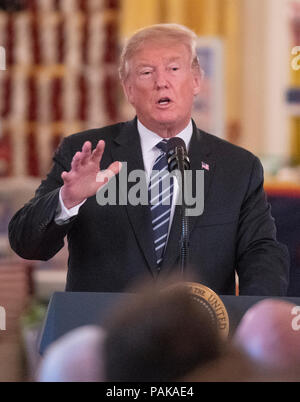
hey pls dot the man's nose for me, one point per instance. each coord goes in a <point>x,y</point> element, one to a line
<point>161,80</point>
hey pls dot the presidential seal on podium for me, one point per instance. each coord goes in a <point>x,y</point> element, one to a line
<point>208,299</point>
<point>212,302</point>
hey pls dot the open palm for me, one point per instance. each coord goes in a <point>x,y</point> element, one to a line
<point>85,177</point>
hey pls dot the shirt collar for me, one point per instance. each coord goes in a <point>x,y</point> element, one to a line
<point>149,139</point>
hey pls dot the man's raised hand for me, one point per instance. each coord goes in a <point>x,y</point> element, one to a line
<point>85,178</point>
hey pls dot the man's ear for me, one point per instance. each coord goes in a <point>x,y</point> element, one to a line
<point>127,88</point>
<point>197,82</point>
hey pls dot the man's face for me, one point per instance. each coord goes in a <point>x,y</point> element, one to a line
<point>161,86</point>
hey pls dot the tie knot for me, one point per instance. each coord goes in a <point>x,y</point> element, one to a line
<point>162,145</point>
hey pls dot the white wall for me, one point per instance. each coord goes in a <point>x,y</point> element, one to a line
<point>265,77</point>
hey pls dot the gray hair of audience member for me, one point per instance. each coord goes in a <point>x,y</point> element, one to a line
<point>266,333</point>
<point>159,34</point>
<point>75,357</point>
<point>159,335</point>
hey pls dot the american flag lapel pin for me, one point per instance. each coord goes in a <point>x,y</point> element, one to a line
<point>205,165</point>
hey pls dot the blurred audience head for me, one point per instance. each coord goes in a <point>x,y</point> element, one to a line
<point>75,357</point>
<point>232,366</point>
<point>159,335</point>
<point>268,335</point>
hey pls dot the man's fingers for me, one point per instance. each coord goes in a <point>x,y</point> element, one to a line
<point>86,152</point>
<point>98,151</point>
<point>76,161</point>
<point>115,167</point>
<point>105,175</point>
<point>65,177</point>
<point>83,157</point>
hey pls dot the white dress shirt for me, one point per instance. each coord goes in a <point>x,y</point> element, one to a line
<point>149,140</point>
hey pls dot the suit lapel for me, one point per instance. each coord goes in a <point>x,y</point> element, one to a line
<point>201,158</point>
<point>199,154</point>
<point>126,148</point>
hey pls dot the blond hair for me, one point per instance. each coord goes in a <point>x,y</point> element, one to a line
<point>159,32</point>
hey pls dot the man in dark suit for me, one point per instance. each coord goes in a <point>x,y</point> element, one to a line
<point>111,246</point>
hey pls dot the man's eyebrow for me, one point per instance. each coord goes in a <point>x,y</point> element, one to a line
<point>148,64</point>
<point>175,58</point>
<point>144,64</point>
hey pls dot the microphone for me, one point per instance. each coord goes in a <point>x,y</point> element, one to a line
<point>177,155</point>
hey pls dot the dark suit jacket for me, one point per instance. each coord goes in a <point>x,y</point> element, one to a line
<point>112,246</point>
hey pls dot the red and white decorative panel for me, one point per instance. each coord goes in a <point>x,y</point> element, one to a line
<point>60,77</point>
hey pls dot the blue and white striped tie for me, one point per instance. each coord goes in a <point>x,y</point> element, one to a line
<point>160,196</point>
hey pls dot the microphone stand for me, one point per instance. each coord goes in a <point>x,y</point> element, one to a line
<point>184,244</point>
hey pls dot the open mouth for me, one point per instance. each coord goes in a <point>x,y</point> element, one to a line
<point>164,101</point>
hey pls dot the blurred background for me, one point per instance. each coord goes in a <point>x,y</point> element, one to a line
<point>59,75</point>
